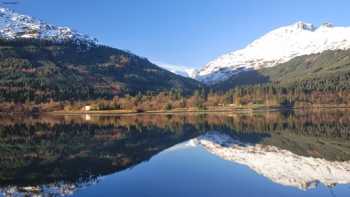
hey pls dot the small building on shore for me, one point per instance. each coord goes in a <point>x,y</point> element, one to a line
<point>86,108</point>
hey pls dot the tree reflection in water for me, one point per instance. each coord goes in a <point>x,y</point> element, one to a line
<point>55,155</point>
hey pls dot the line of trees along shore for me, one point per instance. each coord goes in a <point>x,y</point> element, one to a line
<point>202,99</point>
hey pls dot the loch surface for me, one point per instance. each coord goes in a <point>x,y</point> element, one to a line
<point>290,153</point>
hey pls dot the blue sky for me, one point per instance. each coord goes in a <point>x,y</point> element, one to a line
<point>183,32</point>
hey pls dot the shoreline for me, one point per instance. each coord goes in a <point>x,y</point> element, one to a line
<point>191,111</point>
<point>259,109</point>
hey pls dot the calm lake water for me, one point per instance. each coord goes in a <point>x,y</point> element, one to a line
<point>300,153</point>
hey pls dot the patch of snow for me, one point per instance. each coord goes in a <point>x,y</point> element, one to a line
<point>177,69</point>
<point>184,72</point>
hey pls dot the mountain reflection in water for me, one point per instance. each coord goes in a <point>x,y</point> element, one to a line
<point>59,155</point>
<point>281,166</point>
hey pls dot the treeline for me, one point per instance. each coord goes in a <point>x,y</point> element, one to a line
<point>269,95</point>
<point>203,99</point>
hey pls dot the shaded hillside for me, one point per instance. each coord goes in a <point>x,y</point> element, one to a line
<point>42,70</point>
<point>251,77</point>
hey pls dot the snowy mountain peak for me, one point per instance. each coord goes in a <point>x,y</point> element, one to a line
<point>304,26</point>
<point>276,47</point>
<point>17,26</point>
<point>327,25</point>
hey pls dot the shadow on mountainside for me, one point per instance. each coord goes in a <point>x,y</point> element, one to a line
<point>251,77</point>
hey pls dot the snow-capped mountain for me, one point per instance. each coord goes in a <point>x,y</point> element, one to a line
<point>280,166</point>
<point>190,73</point>
<point>177,69</point>
<point>276,47</point>
<point>17,26</point>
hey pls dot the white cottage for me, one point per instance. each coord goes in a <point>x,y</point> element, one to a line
<point>87,108</point>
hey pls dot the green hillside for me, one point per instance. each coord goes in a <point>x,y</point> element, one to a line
<point>327,70</point>
<point>33,70</point>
